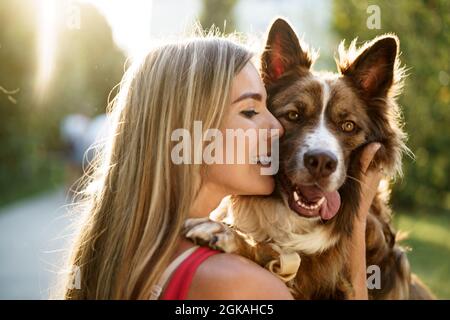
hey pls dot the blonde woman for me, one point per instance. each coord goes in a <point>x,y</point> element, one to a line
<point>137,199</point>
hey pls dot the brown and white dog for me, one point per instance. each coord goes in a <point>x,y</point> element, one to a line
<point>328,119</point>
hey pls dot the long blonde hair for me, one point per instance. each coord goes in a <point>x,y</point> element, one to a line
<point>136,199</point>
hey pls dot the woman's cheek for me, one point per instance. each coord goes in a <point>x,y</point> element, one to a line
<point>261,184</point>
<point>244,179</point>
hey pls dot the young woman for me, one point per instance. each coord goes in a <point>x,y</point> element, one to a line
<point>137,199</point>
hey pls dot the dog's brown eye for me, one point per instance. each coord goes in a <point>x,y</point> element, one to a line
<point>348,126</point>
<point>293,116</point>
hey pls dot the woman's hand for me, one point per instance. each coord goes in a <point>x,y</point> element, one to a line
<point>370,178</point>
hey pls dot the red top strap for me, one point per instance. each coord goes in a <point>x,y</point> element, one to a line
<point>179,283</point>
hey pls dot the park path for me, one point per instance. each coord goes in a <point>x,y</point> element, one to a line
<point>33,234</point>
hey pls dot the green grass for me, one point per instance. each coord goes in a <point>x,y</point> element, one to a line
<point>429,239</point>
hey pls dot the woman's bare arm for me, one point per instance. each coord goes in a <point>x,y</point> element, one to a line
<point>370,180</point>
<point>231,277</point>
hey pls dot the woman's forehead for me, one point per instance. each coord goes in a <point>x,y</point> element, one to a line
<point>247,80</point>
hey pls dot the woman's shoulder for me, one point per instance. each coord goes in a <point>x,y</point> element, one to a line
<point>229,276</point>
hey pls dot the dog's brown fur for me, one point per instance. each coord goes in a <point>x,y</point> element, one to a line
<point>365,90</point>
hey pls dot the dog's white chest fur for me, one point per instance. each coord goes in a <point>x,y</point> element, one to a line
<point>270,220</point>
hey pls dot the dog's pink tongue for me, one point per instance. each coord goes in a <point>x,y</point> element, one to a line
<point>331,204</point>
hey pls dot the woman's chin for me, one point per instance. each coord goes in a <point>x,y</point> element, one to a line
<point>263,185</point>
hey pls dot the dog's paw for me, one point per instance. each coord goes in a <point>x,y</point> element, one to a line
<point>214,234</point>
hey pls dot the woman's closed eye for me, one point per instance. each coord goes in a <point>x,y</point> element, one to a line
<point>249,113</point>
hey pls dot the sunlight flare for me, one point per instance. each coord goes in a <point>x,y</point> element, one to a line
<point>46,43</point>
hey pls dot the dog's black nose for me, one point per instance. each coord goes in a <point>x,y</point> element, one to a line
<point>320,163</point>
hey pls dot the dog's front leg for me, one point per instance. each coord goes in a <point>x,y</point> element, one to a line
<point>217,235</point>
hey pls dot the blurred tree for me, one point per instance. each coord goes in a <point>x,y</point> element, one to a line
<point>219,13</point>
<point>423,29</point>
<point>87,67</point>
<point>16,64</point>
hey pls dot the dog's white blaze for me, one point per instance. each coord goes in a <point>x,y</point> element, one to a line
<point>323,138</point>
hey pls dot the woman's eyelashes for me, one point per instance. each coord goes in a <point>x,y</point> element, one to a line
<point>250,113</point>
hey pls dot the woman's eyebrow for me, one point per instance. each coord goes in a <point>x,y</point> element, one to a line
<point>249,95</point>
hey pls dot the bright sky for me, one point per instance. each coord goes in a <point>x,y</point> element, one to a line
<point>134,21</point>
<point>137,23</point>
<point>130,20</point>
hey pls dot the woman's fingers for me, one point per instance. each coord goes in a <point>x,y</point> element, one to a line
<point>368,154</point>
<point>370,179</point>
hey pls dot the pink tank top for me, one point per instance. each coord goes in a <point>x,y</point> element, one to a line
<point>180,281</point>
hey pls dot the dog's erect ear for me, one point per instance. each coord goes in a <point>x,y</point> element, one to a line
<point>283,52</point>
<point>374,69</point>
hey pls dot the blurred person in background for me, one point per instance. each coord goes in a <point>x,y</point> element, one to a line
<point>82,136</point>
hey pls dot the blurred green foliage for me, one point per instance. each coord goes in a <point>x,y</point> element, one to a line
<point>423,29</point>
<point>219,13</point>
<point>87,66</point>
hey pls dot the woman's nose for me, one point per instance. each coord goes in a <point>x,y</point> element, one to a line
<point>275,124</point>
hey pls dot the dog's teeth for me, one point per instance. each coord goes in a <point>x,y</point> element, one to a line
<point>320,202</point>
<point>304,205</point>
<point>311,207</point>
<point>301,204</point>
<point>307,206</point>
